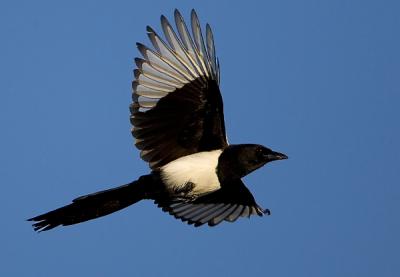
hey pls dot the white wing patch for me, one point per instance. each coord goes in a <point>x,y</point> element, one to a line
<point>199,169</point>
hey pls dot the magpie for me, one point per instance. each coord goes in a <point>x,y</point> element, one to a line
<point>178,126</point>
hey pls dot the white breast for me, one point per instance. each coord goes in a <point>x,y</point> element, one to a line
<point>199,169</point>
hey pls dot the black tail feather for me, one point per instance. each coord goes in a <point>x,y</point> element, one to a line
<point>94,205</point>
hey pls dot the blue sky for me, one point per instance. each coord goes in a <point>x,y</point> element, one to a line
<point>317,80</point>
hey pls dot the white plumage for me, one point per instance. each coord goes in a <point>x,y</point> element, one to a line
<point>199,169</point>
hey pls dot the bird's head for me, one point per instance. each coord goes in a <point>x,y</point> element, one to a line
<point>236,161</point>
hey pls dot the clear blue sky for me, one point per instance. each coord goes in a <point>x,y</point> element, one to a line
<point>317,80</point>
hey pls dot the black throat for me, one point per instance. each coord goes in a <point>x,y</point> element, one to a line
<point>236,161</point>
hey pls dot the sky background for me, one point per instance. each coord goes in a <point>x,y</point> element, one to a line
<point>316,80</point>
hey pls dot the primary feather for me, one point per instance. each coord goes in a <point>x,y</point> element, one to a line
<point>177,107</point>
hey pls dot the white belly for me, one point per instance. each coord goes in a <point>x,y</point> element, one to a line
<point>199,169</point>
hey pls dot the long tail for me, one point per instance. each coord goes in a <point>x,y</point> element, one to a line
<point>95,205</point>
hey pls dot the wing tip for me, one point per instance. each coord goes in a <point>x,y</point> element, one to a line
<point>177,12</point>
<point>149,29</point>
<point>193,12</point>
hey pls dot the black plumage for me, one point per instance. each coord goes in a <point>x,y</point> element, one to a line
<point>185,121</point>
<point>178,126</point>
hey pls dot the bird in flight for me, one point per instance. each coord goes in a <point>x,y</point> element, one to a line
<point>178,126</point>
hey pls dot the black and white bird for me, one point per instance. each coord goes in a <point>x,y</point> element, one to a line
<point>178,126</point>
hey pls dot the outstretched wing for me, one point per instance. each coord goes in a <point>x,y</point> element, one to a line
<point>229,203</point>
<point>177,107</point>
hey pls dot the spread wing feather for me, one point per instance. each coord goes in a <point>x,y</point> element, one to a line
<point>177,107</point>
<point>229,203</point>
